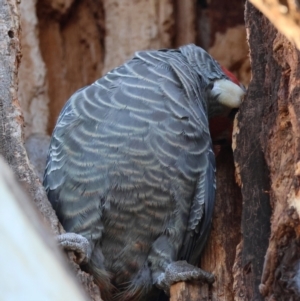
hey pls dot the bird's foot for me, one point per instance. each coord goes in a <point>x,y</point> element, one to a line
<point>76,243</point>
<point>182,271</point>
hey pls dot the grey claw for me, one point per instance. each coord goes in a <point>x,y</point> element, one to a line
<point>182,271</point>
<point>77,243</point>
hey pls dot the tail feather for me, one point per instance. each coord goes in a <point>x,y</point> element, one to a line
<point>102,279</point>
<point>132,292</point>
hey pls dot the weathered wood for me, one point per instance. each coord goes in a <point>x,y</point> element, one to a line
<point>185,25</point>
<point>12,123</point>
<point>285,16</point>
<point>250,161</point>
<point>32,266</point>
<point>279,139</point>
<point>32,90</point>
<point>136,25</point>
<point>267,156</point>
<point>183,291</point>
<point>71,39</point>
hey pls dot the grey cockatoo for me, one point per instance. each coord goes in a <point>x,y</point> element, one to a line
<point>131,170</point>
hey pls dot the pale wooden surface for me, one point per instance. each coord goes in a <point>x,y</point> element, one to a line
<point>32,267</point>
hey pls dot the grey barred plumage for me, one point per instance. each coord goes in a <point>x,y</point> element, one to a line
<point>131,166</point>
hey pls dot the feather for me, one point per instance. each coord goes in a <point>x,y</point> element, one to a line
<point>131,166</point>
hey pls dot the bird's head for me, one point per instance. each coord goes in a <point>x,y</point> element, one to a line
<point>227,91</point>
<point>225,97</point>
<point>224,93</point>
<point>223,87</point>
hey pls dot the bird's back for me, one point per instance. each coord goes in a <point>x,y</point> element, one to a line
<point>125,157</point>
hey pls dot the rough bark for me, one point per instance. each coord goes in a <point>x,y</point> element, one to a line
<point>251,165</point>
<point>216,16</point>
<point>12,121</point>
<point>32,90</point>
<point>267,156</point>
<point>285,16</point>
<point>281,149</point>
<point>12,124</point>
<point>183,291</point>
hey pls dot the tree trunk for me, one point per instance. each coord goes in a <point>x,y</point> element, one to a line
<point>254,245</point>
<point>267,160</point>
<point>11,129</point>
<point>252,170</point>
<point>12,122</point>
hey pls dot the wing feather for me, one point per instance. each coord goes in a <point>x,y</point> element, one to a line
<point>136,140</point>
<point>201,213</point>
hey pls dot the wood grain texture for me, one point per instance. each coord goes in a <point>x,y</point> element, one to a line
<point>12,123</point>
<point>135,25</point>
<point>33,91</point>
<point>267,157</point>
<point>251,165</point>
<point>71,37</point>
